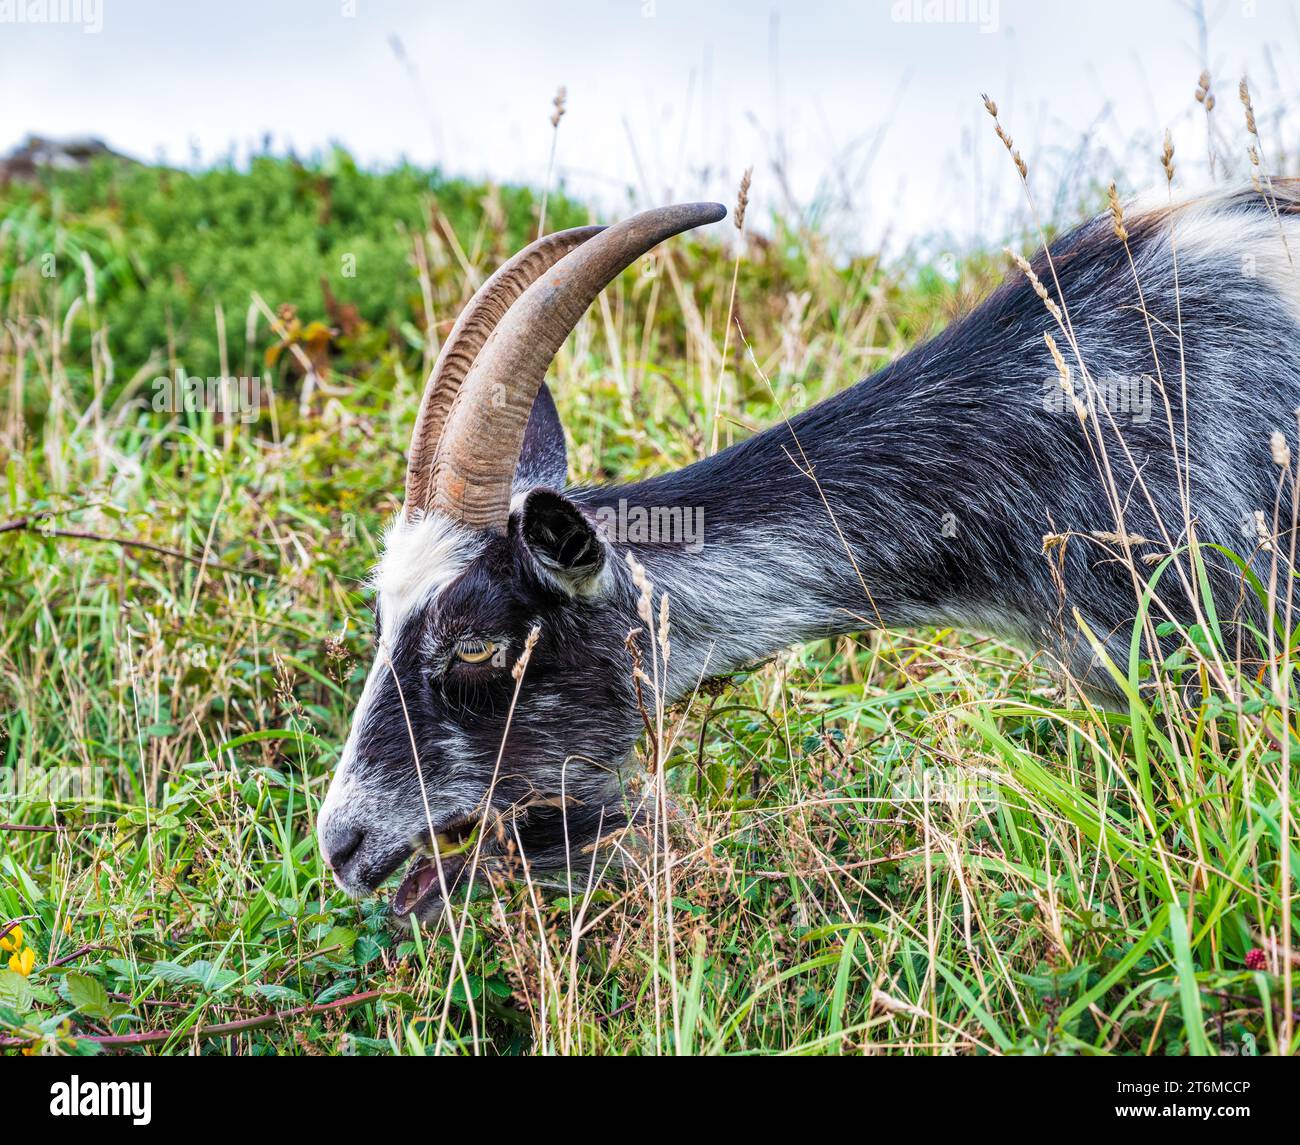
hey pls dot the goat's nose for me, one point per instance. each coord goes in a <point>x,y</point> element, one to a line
<point>338,844</point>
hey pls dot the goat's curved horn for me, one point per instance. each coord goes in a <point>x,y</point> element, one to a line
<point>490,303</point>
<point>484,432</point>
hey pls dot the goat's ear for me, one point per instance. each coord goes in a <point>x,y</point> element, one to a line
<point>544,459</point>
<point>563,542</point>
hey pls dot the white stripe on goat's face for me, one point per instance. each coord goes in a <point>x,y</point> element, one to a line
<point>438,586</point>
<point>420,559</point>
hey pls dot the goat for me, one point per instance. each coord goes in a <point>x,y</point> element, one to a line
<point>920,496</point>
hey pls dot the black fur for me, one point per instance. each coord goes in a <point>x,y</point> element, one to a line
<point>922,495</point>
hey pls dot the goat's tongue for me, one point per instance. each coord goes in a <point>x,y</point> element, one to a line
<point>420,878</point>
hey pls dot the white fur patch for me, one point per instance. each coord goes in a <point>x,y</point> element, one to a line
<point>1223,225</point>
<point>420,559</point>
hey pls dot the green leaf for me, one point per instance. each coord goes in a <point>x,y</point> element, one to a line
<point>87,994</point>
<point>338,943</point>
<point>339,989</point>
<point>173,973</point>
<point>199,973</point>
<point>15,991</point>
<point>1188,987</point>
<point>278,994</point>
<point>458,987</point>
<point>840,991</point>
<point>158,731</point>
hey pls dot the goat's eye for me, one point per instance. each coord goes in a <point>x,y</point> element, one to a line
<point>475,651</point>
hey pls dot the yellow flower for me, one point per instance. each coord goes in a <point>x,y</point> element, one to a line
<point>12,941</point>
<point>23,961</point>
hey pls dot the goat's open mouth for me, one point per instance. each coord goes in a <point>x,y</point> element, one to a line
<point>450,851</point>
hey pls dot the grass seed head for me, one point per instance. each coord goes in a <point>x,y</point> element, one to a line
<point>1117,214</point>
<point>1280,449</point>
<point>1262,531</point>
<point>1028,271</point>
<point>1243,92</point>
<point>742,198</point>
<point>530,642</point>
<point>644,588</point>
<point>1203,93</point>
<point>1062,367</point>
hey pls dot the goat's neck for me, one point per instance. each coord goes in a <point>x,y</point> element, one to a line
<point>808,530</point>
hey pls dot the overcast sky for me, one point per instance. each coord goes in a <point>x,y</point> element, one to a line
<point>869,107</point>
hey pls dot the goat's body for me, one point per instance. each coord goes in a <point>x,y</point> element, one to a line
<point>923,494</point>
<point>920,496</point>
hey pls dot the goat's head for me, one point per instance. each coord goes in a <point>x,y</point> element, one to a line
<point>453,751</point>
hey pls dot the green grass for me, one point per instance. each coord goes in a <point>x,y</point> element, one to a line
<point>907,842</point>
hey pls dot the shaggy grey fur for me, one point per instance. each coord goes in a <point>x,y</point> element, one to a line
<point>920,496</point>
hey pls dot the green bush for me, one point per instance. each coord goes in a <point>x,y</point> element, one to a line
<point>168,246</point>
